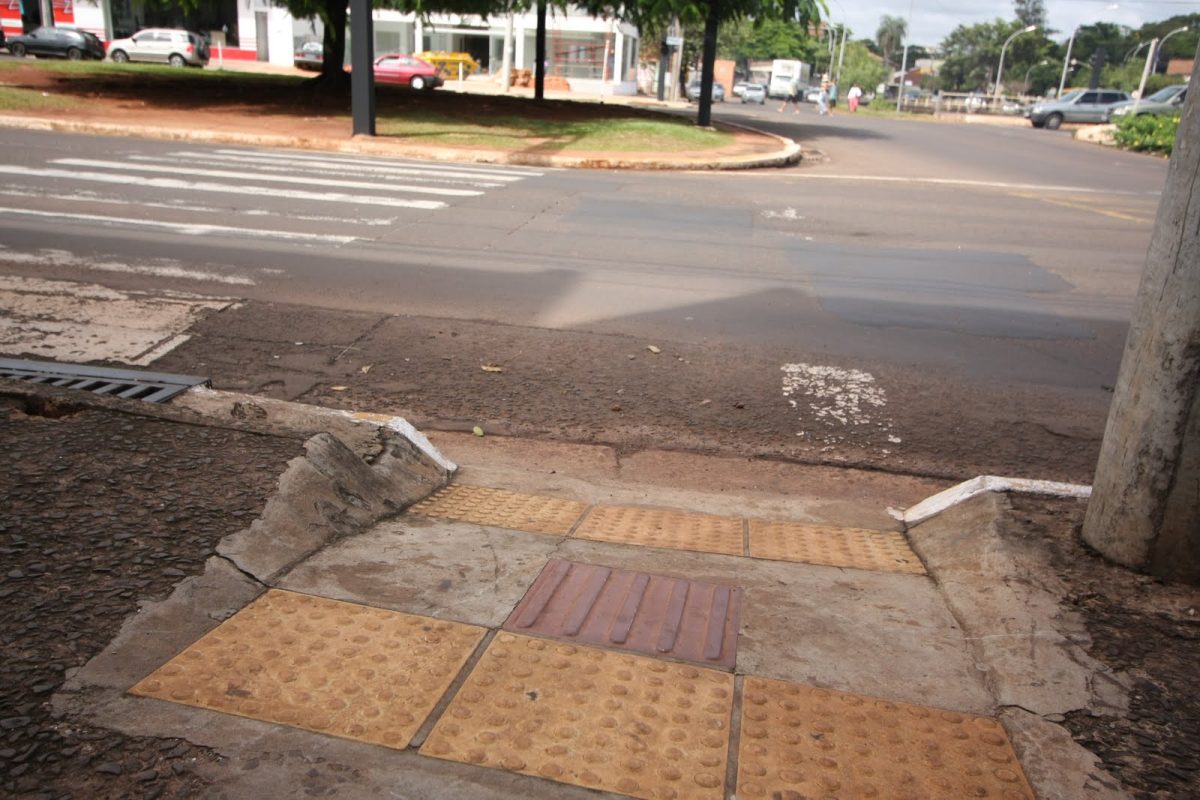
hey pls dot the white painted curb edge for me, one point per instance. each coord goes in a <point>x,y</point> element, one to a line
<point>964,491</point>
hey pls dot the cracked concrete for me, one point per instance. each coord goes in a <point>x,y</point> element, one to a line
<point>983,634</point>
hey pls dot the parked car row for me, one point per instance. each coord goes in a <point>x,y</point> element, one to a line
<point>155,45</point>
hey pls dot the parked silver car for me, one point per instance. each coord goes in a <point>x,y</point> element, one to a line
<point>1163,102</point>
<point>161,46</point>
<point>1081,105</point>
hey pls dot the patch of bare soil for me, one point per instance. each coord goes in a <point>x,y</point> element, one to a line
<point>1148,629</point>
<point>250,104</point>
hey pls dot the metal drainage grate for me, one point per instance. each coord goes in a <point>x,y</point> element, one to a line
<point>152,387</point>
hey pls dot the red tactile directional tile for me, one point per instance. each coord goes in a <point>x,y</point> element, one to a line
<point>636,611</point>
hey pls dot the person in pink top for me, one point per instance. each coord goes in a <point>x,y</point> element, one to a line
<point>852,97</point>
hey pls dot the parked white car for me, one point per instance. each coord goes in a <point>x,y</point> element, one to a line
<point>161,46</point>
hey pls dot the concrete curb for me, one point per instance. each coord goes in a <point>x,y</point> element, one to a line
<point>789,152</point>
<point>961,493</point>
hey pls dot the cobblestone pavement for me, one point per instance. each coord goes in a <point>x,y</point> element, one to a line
<point>100,510</point>
<point>1139,626</point>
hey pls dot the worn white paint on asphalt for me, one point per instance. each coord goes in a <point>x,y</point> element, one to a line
<point>175,169</point>
<point>158,268</point>
<point>429,167</point>
<point>69,321</point>
<point>223,188</point>
<point>325,166</point>
<point>84,195</point>
<point>837,399</point>
<point>186,228</point>
<point>788,214</point>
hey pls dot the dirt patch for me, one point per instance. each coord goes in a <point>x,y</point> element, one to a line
<point>249,104</point>
<point>1143,627</point>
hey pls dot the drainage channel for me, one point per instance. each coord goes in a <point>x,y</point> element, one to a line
<point>151,387</point>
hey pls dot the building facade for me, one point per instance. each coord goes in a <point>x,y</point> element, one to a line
<point>592,55</point>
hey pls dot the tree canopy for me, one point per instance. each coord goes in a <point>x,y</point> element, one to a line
<point>890,37</point>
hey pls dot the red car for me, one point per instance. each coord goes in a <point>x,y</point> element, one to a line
<point>406,71</point>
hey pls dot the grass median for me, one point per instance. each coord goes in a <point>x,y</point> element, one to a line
<point>154,95</point>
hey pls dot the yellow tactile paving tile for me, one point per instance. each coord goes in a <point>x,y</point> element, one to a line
<point>610,721</point>
<point>653,527</point>
<point>323,665</point>
<point>800,741</point>
<point>835,547</point>
<point>500,508</point>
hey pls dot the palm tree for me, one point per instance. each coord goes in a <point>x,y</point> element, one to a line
<point>890,35</point>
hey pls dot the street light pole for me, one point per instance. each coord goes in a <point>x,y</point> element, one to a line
<point>1066,63</point>
<point>1007,42</point>
<point>842,56</point>
<point>1145,74</point>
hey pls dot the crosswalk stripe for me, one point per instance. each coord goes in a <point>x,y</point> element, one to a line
<point>188,228</point>
<point>226,188</point>
<point>472,178</point>
<point>219,173</point>
<point>424,166</point>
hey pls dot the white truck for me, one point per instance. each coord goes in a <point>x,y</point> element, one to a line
<point>788,77</point>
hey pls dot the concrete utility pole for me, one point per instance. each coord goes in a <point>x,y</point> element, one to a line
<point>362,68</point>
<point>1145,506</point>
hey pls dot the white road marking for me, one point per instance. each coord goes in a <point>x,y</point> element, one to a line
<point>159,268</point>
<point>446,176</point>
<point>837,398</point>
<point>787,213</point>
<point>186,228</point>
<point>224,188</point>
<point>428,167</point>
<point>69,321</point>
<point>244,176</point>
<point>819,176</point>
<point>180,205</point>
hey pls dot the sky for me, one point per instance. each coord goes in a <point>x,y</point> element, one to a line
<point>932,20</point>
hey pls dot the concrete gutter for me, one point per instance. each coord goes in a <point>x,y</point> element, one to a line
<point>788,151</point>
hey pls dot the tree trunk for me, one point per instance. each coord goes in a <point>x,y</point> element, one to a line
<point>707,61</point>
<point>1145,507</point>
<point>333,72</point>
<point>539,48</point>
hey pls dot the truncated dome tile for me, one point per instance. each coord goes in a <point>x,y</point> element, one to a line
<point>610,721</point>
<point>322,665</point>
<point>800,741</point>
<point>502,509</point>
<point>652,527</point>
<point>834,547</point>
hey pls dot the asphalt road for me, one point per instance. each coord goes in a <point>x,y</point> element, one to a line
<point>935,298</point>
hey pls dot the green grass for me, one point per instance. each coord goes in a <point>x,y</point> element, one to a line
<point>521,133</point>
<point>15,99</point>
<point>506,124</point>
<point>109,69</point>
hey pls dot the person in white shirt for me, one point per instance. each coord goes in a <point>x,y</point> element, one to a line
<point>852,97</point>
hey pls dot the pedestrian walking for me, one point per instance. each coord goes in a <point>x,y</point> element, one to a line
<point>833,96</point>
<point>793,95</point>
<point>852,97</point>
<point>823,100</point>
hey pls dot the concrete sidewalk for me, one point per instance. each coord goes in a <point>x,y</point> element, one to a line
<point>336,647</point>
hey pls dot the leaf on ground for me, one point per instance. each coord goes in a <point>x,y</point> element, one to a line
<point>478,431</point>
<point>491,368</point>
<point>365,369</point>
<point>653,349</point>
<point>339,388</point>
